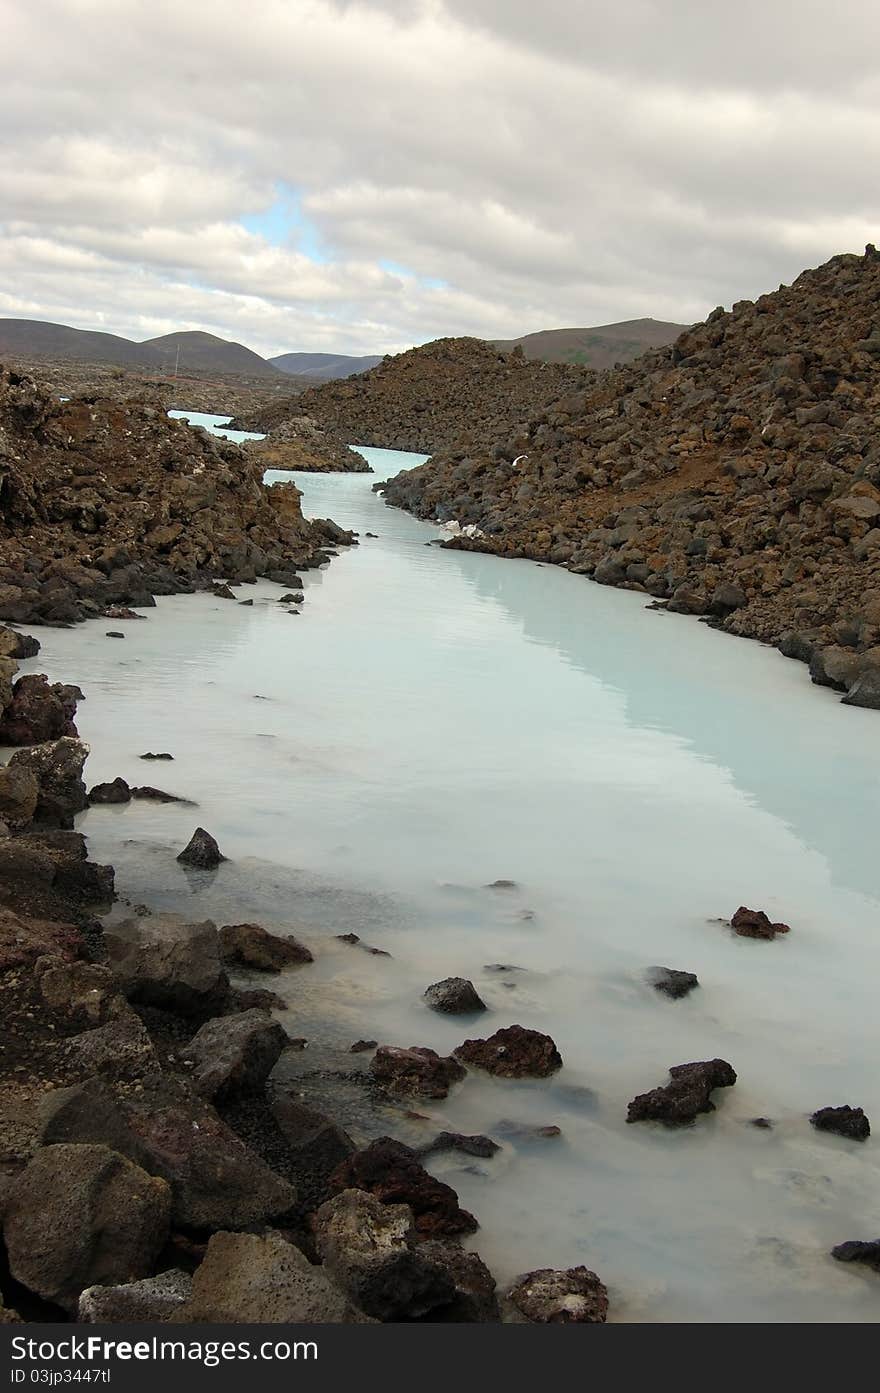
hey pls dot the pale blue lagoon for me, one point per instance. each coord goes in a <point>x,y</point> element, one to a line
<point>436,720</point>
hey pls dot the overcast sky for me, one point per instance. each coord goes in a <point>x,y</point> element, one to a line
<point>363,175</point>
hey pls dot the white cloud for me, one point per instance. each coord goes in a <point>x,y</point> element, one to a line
<point>528,166</point>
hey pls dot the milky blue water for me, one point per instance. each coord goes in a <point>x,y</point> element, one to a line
<point>433,721</point>
<point>216,425</point>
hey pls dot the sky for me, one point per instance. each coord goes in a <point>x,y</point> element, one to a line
<point>358,176</point>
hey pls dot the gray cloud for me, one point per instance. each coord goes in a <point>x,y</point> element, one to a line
<point>476,166</point>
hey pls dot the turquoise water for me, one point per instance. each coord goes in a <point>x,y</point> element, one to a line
<point>433,721</point>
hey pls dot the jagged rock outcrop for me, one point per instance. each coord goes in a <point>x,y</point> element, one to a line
<point>734,475</point>
<point>109,502</point>
<point>430,397</point>
<point>299,443</point>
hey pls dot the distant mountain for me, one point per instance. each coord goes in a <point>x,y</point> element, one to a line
<point>207,353</point>
<point>324,367</point>
<point>26,338</point>
<point>600,347</point>
<point>29,338</point>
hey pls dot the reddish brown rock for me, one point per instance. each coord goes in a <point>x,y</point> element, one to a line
<point>513,1053</point>
<point>417,1070</point>
<point>39,711</point>
<point>393,1173</point>
<point>252,946</point>
<point>754,923</point>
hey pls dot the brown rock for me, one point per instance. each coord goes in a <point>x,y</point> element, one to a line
<point>81,1215</point>
<point>252,946</point>
<point>679,1102</point>
<point>513,1053</point>
<point>393,1173</point>
<point>573,1296</point>
<point>417,1070</point>
<point>754,923</point>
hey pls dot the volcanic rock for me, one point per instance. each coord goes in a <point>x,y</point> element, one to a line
<point>201,851</point>
<point>754,923</point>
<point>152,1299</point>
<point>57,767</point>
<point>109,502</point>
<point>513,1053</point>
<point>249,1278</point>
<point>856,1251</point>
<point>298,443</point>
<point>457,1141</point>
<point>455,996</point>
<point>374,1253</point>
<point>163,960</point>
<point>573,1296</point>
<point>216,1180</point>
<point>734,473</point>
<point>845,1121</point>
<point>117,791</point>
<point>688,1094</point>
<point>671,982</point>
<point>234,1054</point>
<point>253,946</point>
<point>39,711</point>
<point>78,1216</point>
<point>393,1173</point>
<point>417,1070</point>
<point>16,645</point>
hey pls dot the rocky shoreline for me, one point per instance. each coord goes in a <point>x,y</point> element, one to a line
<point>151,1166</point>
<point>149,1170</point>
<point>733,476</point>
<point>105,504</point>
<point>299,443</point>
<point>429,398</point>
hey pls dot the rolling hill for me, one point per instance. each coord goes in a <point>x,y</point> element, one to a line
<point>27,338</point>
<point>325,367</point>
<point>600,347</point>
<point>208,353</point>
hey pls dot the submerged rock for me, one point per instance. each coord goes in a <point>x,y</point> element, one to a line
<point>550,1297</point>
<point>457,1141</point>
<point>417,1070</point>
<point>754,923</point>
<point>255,947</point>
<point>513,1053</point>
<point>856,1251</point>
<point>150,755</point>
<point>845,1121</point>
<point>201,851</point>
<point>455,996</point>
<point>393,1173</point>
<point>117,791</point>
<point>671,982</point>
<point>147,793</point>
<point>688,1094</point>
